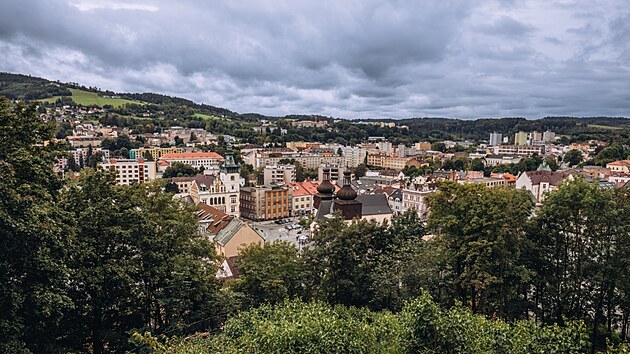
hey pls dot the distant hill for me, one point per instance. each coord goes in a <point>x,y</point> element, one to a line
<point>25,87</point>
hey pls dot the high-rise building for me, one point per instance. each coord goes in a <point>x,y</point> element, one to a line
<point>130,171</point>
<point>549,136</point>
<point>279,174</point>
<point>520,138</point>
<point>495,139</point>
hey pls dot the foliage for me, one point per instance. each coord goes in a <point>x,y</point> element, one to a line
<point>269,273</point>
<point>573,157</point>
<point>33,234</point>
<point>483,233</point>
<point>179,169</point>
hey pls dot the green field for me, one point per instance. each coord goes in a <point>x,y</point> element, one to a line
<point>87,98</point>
<point>597,126</point>
<point>207,116</point>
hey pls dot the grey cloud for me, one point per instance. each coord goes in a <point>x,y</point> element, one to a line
<point>353,59</point>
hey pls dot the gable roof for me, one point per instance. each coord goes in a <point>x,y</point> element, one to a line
<point>371,204</point>
<point>215,218</point>
<point>553,178</point>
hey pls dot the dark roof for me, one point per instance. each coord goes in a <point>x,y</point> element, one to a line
<point>374,204</point>
<point>397,194</point>
<point>207,180</point>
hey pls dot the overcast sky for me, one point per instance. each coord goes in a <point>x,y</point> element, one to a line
<point>350,59</point>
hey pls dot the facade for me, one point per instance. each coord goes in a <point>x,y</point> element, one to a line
<point>83,141</point>
<point>417,200</point>
<point>335,172</point>
<point>391,162</point>
<point>619,166</point>
<point>265,202</point>
<point>229,233</point>
<point>540,182</point>
<point>520,138</point>
<point>549,136</point>
<point>279,174</point>
<point>520,150</point>
<point>207,160</point>
<point>495,139</point>
<point>183,183</point>
<point>131,171</point>
<point>221,191</point>
<point>489,182</point>
<point>156,153</point>
<point>493,160</point>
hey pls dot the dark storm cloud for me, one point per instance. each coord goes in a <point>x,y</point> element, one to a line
<point>352,59</point>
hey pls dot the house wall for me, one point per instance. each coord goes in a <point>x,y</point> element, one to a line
<point>244,237</point>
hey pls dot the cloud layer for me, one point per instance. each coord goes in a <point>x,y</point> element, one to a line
<point>352,59</point>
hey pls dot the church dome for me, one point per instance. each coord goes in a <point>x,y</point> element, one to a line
<point>346,193</point>
<point>325,187</point>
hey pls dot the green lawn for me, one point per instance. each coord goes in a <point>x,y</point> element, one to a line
<point>597,126</point>
<point>87,98</point>
<point>205,116</point>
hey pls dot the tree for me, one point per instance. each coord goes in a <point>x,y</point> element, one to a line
<point>360,170</point>
<point>269,273</point>
<point>578,243</point>
<point>179,169</point>
<point>477,165</point>
<point>34,237</point>
<point>573,157</point>
<point>483,232</point>
<point>95,159</point>
<point>439,146</point>
<point>137,262</point>
<point>341,259</point>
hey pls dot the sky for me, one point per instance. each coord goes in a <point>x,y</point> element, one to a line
<point>348,59</point>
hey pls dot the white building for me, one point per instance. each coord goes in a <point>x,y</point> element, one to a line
<point>130,171</point>
<point>495,139</point>
<point>279,174</point>
<point>222,191</point>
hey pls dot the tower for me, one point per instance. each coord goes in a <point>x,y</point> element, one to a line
<point>325,190</point>
<point>346,202</point>
<point>230,176</point>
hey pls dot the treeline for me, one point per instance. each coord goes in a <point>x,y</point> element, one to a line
<point>24,87</point>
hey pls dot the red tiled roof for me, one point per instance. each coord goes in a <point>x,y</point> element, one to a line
<point>192,155</point>
<point>219,219</point>
<point>620,163</point>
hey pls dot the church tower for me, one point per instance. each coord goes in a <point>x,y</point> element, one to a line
<point>230,177</point>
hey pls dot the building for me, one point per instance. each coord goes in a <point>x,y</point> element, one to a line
<point>416,200</point>
<point>183,183</point>
<point>540,182</point>
<point>265,202</point>
<point>83,141</point>
<point>549,136</point>
<point>391,162</point>
<point>335,172</point>
<point>493,160</point>
<point>279,174</point>
<point>489,182</point>
<point>355,207</point>
<point>228,232</point>
<point>495,139</point>
<point>220,191</point>
<point>619,166</point>
<point>302,198</point>
<point>207,160</point>
<point>155,153</point>
<point>520,150</point>
<point>520,138</point>
<point>395,201</point>
<point>130,171</point>
<point>309,124</point>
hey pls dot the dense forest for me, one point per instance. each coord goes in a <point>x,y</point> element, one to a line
<point>88,266</point>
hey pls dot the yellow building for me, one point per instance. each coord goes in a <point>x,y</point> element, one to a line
<point>155,153</point>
